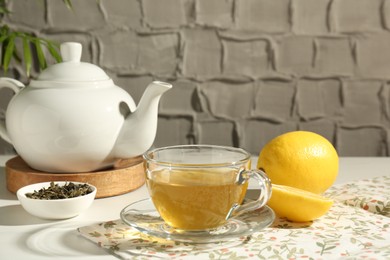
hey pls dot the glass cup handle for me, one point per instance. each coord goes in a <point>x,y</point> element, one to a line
<point>265,192</point>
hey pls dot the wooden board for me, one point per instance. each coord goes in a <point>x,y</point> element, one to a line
<point>125,176</point>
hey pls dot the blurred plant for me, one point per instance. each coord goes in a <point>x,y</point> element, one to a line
<point>31,46</point>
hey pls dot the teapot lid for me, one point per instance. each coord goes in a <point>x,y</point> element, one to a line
<point>72,70</point>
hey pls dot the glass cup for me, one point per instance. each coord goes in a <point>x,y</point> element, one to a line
<point>199,187</point>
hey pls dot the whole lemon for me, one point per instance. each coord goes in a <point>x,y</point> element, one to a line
<point>300,159</point>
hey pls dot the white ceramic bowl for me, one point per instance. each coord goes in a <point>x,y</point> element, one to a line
<point>54,209</point>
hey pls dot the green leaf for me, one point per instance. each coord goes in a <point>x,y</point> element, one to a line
<point>27,56</point>
<point>4,30</point>
<point>68,4</point>
<point>54,51</point>
<point>4,10</point>
<point>16,55</point>
<point>40,55</point>
<point>3,38</point>
<point>9,50</point>
<point>4,34</point>
<point>3,7</point>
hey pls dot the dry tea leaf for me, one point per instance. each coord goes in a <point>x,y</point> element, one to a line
<point>55,192</point>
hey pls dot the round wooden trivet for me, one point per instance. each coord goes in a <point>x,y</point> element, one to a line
<point>125,176</point>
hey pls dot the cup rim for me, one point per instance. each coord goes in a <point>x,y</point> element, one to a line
<point>246,156</point>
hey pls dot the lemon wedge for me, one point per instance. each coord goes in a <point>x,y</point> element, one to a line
<point>298,205</point>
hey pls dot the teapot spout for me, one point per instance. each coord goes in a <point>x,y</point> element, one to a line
<point>139,128</point>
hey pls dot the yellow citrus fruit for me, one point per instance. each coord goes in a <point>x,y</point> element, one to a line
<point>300,159</point>
<point>298,205</point>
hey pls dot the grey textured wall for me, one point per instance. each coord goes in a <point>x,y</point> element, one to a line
<point>243,71</point>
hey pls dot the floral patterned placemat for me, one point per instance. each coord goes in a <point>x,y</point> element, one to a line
<point>356,227</point>
<point>372,195</point>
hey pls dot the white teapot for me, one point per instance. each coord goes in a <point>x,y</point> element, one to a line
<point>73,118</point>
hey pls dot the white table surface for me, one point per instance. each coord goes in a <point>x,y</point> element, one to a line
<point>23,236</point>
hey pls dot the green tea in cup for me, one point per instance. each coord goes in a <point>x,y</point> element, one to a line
<point>199,187</point>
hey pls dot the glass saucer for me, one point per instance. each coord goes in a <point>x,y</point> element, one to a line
<point>143,216</point>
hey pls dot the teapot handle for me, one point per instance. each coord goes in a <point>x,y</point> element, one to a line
<point>15,86</point>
